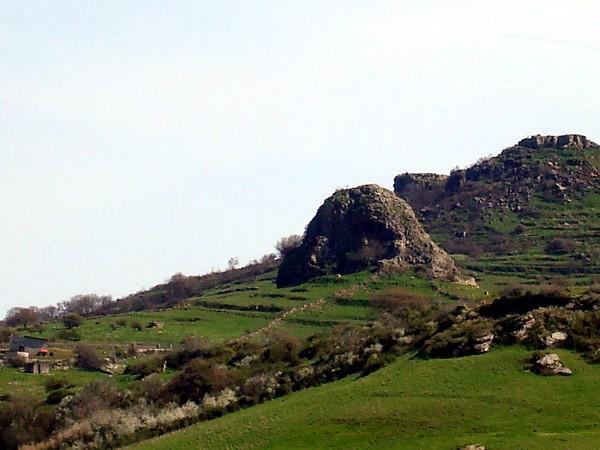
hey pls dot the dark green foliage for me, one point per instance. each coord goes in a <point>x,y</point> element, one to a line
<point>400,302</point>
<point>560,246</point>
<point>72,320</point>
<point>22,421</point>
<point>519,301</point>
<point>68,334</point>
<point>199,377</point>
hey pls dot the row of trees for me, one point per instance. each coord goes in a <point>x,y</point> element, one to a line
<point>84,305</point>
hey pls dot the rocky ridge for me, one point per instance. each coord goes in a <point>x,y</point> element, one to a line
<point>540,172</point>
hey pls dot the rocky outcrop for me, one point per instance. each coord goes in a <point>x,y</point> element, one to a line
<point>549,365</point>
<point>363,227</point>
<point>564,141</point>
<point>419,181</point>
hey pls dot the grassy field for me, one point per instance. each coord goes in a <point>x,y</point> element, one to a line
<point>234,310</point>
<point>16,383</point>
<point>420,404</point>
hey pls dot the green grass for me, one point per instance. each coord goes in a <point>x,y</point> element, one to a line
<point>179,323</point>
<point>222,314</point>
<point>16,383</point>
<point>420,404</point>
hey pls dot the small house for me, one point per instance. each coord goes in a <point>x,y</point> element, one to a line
<point>31,345</point>
<point>37,367</point>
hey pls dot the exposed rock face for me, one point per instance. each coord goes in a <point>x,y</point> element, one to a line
<point>419,181</point>
<point>550,365</point>
<point>363,227</point>
<point>563,141</point>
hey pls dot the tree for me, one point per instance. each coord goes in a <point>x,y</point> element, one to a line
<point>87,304</point>
<point>287,244</point>
<point>72,320</point>
<point>233,263</point>
<point>22,317</point>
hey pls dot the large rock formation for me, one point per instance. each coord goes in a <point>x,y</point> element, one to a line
<point>363,227</point>
<point>563,141</point>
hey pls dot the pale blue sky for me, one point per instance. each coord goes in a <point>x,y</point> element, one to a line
<point>140,138</point>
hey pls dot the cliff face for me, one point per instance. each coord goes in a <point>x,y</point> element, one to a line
<point>363,227</point>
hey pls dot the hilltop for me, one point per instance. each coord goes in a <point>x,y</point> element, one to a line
<point>536,204</point>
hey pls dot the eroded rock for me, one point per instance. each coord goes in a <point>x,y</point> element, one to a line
<point>549,365</point>
<point>363,227</point>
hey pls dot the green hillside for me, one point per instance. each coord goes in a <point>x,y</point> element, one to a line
<point>417,404</point>
<point>504,212</point>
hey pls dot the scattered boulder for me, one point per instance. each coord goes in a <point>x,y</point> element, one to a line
<point>157,324</point>
<point>555,339</point>
<point>472,447</point>
<point>359,228</point>
<point>466,337</point>
<point>549,365</point>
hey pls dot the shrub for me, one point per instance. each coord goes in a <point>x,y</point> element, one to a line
<point>144,367</point>
<point>23,421</point>
<point>282,347</point>
<point>399,301</point>
<point>5,334</point>
<point>560,246</point>
<point>199,377</point>
<point>95,396</point>
<point>136,325</point>
<point>72,320</point>
<point>121,322</point>
<point>458,340</point>
<point>86,357</point>
<point>67,334</point>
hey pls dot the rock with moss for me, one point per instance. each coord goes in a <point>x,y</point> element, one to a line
<point>360,228</point>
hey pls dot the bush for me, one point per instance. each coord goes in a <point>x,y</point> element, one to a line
<point>458,340</point>
<point>86,357</point>
<point>121,322</point>
<point>5,334</point>
<point>199,377</point>
<point>68,334</point>
<point>399,302</point>
<point>144,367</point>
<point>72,320</point>
<point>560,246</point>
<point>136,325</point>
<point>23,421</point>
<point>95,396</point>
<point>282,347</point>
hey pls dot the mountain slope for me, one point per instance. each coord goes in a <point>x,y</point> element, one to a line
<point>505,211</point>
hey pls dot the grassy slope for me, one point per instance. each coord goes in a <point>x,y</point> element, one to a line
<point>204,316</point>
<point>414,404</point>
<point>17,383</point>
